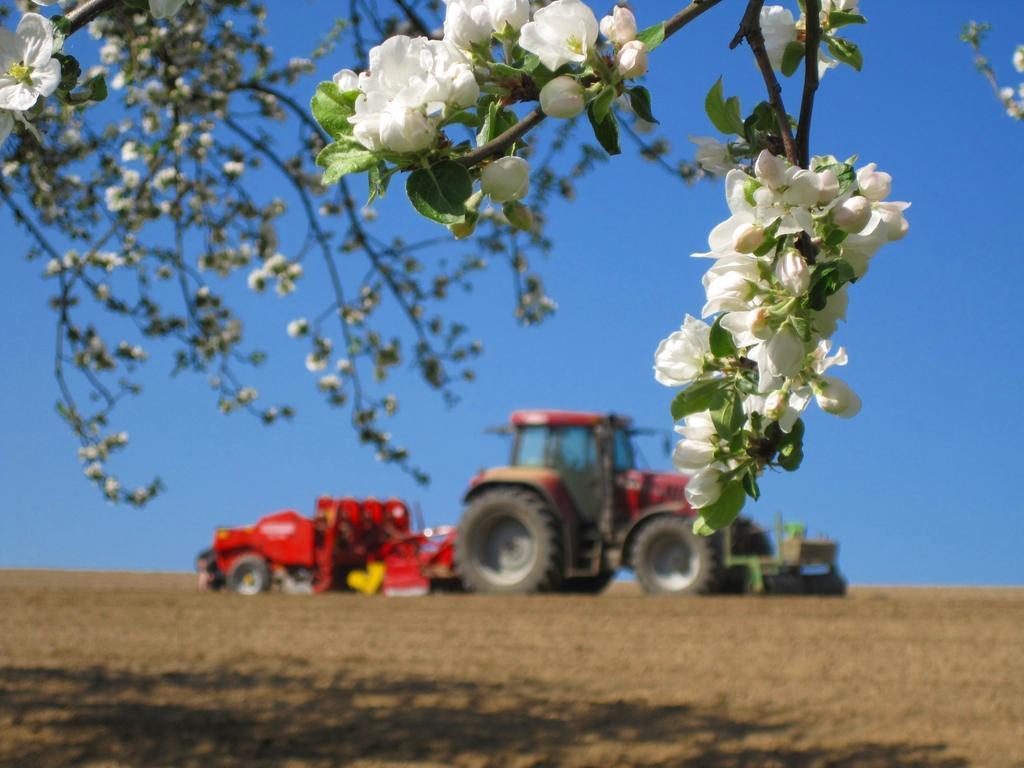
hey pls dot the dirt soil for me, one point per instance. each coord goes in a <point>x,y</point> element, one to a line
<point>140,670</point>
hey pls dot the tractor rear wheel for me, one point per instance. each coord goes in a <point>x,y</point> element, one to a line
<point>249,575</point>
<point>508,542</point>
<point>668,558</point>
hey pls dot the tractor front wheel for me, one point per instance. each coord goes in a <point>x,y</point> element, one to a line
<point>249,575</point>
<point>508,542</point>
<point>668,558</point>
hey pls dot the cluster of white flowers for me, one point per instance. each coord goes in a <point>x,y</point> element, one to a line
<point>29,71</point>
<point>783,31</point>
<point>782,264</point>
<point>278,268</point>
<point>1013,99</point>
<point>414,87</point>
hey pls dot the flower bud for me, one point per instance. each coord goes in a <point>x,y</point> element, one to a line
<point>463,229</point>
<point>519,216</point>
<point>346,80</point>
<point>770,170</point>
<point>853,214</point>
<point>632,60</point>
<point>620,26</point>
<point>506,179</point>
<point>791,270</point>
<point>562,97</point>
<point>747,238</point>
<point>874,185</point>
<point>835,396</point>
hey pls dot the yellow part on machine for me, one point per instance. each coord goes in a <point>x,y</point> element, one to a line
<point>368,582</point>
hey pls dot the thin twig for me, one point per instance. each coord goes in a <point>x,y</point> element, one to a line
<point>812,41</point>
<point>688,14</point>
<point>498,145</point>
<point>86,12</point>
<point>750,29</point>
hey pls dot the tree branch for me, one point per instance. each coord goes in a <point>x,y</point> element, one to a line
<point>498,145</point>
<point>86,12</point>
<point>750,29</point>
<point>812,42</point>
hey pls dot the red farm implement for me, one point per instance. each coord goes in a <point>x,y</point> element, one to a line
<point>364,545</point>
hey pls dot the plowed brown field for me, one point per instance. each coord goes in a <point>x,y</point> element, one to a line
<point>139,670</point>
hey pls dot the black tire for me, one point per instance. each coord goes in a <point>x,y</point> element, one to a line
<point>508,542</point>
<point>589,585</point>
<point>249,575</point>
<point>668,558</point>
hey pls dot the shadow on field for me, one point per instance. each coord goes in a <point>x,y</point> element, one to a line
<point>55,717</point>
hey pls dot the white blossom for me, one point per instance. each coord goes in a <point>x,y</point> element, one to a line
<point>28,70</point>
<point>679,358</point>
<point>704,488</point>
<point>410,84</point>
<point>467,23</point>
<point>713,155</point>
<point>514,13</point>
<point>563,32</point>
<point>779,29</point>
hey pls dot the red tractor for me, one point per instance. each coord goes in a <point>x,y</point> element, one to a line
<point>566,514</point>
<point>572,508</point>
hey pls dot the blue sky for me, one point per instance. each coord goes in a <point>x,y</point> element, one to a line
<point>920,488</point>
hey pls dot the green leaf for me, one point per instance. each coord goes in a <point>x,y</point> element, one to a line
<point>826,279</point>
<point>721,341</point>
<point>791,447</point>
<point>750,486</point>
<point>440,192</point>
<point>716,516</point>
<point>846,52</point>
<point>727,413</point>
<point>652,37</point>
<point>640,101</point>
<point>792,57</point>
<point>837,19</point>
<point>342,158</point>
<point>724,113</point>
<point>92,90</point>
<point>378,178</point>
<point>496,121</point>
<point>696,397</point>
<point>605,131</point>
<point>332,109</point>
<point>505,71</point>
<point>464,117</point>
<point>602,104</point>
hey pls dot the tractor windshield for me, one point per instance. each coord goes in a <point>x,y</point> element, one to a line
<point>569,448</point>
